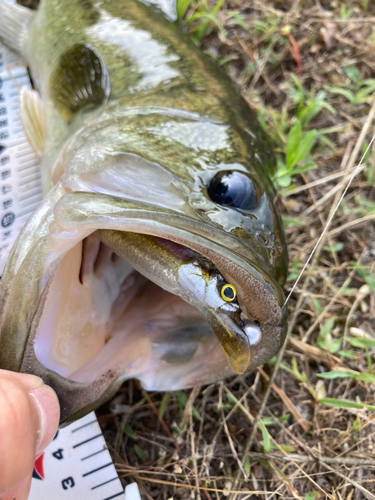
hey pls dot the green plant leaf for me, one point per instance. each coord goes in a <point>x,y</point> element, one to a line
<point>268,421</point>
<point>336,247</point>
<point>195,413</point>
<point>181,8</point>
<point>312,495</point>
<point>343,403</point>
<point>362,377</point>
<point>288,222</point>
<point>293,142</point>
<point>305,146</point>
<point>353,73</point>
<point>266,437</point>
<point>327,327</point>
<point>284,181</point>
<point>317,306</point>
<point>361,342</point>
<point>246,465</point>
<point>336,374</point>
<point>128,431</point>
<point>346,93</point>
<point>347,354</point>
<point>140,453</point>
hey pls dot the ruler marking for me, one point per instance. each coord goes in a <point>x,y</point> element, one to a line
<point>87,440</point>
<point>21,140</point>
<point>102,484</point>
<point>26,185</point>
<point>82,426</point>
<point>24,145</point>
<point>29,207</point>
<point>32,179</point>
<point>24,198</point>
<point>28,210</point>
<point>96,470</point>
<point>9,79</point>
<point>27,161</point>
<point>93,454</point>
<point>26,167</point>
<point>114,496</point>
<point>29,186</point>
<point>26,153</point>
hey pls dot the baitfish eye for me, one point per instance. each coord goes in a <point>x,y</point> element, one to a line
<point>228,293</point>
<point>233,189</point>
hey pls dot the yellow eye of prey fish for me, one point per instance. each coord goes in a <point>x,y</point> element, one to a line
<point>228,293</point>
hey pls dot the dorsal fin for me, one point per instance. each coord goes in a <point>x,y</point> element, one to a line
<point>32,118</point>
<point>80,78</point>
<point>14,23</point>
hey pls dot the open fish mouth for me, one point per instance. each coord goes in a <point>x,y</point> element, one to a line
<point>112,294</point>
<point>100,312</point>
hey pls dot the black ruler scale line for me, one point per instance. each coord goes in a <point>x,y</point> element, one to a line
<point>85,425</point>
<point>103,484</point>
<point>92,454</point>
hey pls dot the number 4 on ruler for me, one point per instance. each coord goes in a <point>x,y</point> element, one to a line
<point>77,466</point>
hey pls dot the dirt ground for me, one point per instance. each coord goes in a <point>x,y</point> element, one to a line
<point>308,68</point>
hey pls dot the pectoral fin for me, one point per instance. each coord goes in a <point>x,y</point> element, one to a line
<point>32,117</point>
<point>80,78</point>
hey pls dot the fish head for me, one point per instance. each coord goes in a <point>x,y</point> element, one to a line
<point>158,254</point>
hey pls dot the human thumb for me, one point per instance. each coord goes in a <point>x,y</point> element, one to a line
<point>29,416</point>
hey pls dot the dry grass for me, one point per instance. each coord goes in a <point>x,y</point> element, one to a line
<point>203,443</point>
<point>203,446</point>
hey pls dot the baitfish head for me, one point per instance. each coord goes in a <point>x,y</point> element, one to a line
<point>157,253</point>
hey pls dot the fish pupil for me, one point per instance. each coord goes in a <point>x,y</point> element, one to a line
<point>229,293</point>
<point>233,189</point>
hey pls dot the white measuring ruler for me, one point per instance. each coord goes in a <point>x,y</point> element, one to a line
<point>20,177</point>
<point>77,464</point>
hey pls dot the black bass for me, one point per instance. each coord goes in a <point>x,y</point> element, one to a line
<point>157,252</point>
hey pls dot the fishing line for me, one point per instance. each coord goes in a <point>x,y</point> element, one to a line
<point>330,219</point>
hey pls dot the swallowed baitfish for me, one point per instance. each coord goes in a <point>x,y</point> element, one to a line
<point>157,252</point>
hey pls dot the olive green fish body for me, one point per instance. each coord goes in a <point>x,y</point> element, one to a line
<point>121,271</point>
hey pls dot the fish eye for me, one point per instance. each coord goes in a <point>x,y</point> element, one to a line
<point>228,293</point>
<point>234,189</point>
